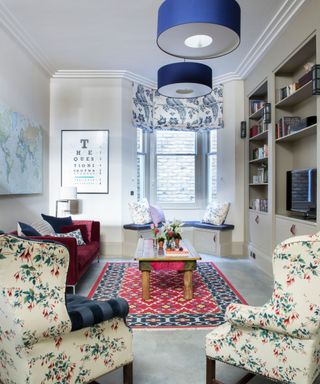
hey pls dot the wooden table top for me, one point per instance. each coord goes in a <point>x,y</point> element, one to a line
<point>146,252</point>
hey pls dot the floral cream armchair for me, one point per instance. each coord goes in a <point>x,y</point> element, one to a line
<point>39,344</point>
<point>280,340</point>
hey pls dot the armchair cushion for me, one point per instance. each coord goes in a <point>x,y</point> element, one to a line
<point>84,312</point>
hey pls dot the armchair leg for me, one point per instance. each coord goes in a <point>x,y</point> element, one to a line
<point>211,374</point>
<point>127,374</point>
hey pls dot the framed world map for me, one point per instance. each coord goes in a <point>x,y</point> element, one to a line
<point>20,154</point>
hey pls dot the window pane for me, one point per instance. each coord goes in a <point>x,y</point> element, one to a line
<point>176,142</point>
<point>213,141</point>
<point>176,179</point>
<point>212,176</point>
<point>140,176</point>
<point>139,140</point>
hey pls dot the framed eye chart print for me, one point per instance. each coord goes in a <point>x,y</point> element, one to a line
<point>85,160</point>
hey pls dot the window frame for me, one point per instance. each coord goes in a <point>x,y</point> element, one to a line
<point>200,173</point>
<point>209,154</point>
<point>144,154</point>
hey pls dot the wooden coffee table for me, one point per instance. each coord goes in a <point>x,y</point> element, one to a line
<point>149,257</point>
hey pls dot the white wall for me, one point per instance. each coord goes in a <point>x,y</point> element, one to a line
<point>24,87</point>
<point>83,104</point>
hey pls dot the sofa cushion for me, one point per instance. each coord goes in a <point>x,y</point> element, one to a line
<point>83,228</point>
<point>75,234</point>
<point>57,222</point>
<point>84,312</point>
<point>43,227</point>
<point>140,212</point>
<point>86,253</point>
<point>24,229</point>
<point>216,213</point>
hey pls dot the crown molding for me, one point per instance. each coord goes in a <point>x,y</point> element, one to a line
<point>231,76</point>
<point>103,74</point>
<point>281,19</point>
<point>21,36</point>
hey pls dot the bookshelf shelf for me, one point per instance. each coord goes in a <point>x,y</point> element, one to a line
<point>258,161</point>
<point>257,115</point>
<point>308,131</point>
<point>260,136</point>
<point>297,97</point>
<point>258,184</point>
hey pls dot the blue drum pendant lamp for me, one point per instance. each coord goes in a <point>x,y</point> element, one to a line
<point>199,29</point>
<point>184,80</point>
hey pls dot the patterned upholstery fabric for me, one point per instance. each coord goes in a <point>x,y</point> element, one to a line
<point>36,342</point>
<point>280,340</point>
<point>84,312</point>
<point>75,234</point>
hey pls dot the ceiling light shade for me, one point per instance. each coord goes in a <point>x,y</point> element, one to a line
<point>184,80</point>
<point>199,29</point>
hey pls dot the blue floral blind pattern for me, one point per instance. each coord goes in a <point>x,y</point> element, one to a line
<point>153,111</point>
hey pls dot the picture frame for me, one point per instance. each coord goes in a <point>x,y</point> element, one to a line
<point>85,160</point>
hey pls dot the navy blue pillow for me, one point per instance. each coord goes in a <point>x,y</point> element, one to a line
<point>57,222</point>
<point>27,230</point>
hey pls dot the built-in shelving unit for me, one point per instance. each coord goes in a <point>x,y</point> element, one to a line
<point>295,140</point>
<point>258,149</point>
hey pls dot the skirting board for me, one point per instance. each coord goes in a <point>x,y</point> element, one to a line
<point>263,261</point>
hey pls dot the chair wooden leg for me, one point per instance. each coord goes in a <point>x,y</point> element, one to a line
<point>127,374</point>
<point>211,372</point>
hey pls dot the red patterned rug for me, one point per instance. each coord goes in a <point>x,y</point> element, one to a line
<point>212,293</point>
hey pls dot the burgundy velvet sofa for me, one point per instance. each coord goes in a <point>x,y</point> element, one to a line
<point>80,256</point>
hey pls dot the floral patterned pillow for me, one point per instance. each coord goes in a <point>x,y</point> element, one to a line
<point>140,212</point>
<point>76,234</point>
<point>216,213</point>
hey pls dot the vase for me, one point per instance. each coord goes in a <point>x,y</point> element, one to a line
<point>170,244</point>
<point>161,244</point>
<point>177,243</point>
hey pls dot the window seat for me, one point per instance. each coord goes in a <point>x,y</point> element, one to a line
<point>206,238</point>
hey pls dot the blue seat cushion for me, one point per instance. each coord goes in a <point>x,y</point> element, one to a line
<point>200,224</point>
<point>84,312</point>
<point>139,227</point>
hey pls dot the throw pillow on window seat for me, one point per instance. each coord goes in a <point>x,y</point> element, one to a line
<point>140,212</point>
<point>76,234</point>
<point>57,222</point>
<point>157,214</point>
<point>216,213</point>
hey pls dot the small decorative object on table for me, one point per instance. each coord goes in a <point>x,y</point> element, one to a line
<point>155,231</point>
<point>172,232</point>
<point>161,241</point>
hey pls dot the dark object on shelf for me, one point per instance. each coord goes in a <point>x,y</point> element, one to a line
<point>243,129</point>
<point>316,79</point>
<point>305,79</point>
<point>304,123</point>
<point>302,191</point>
<point>267,113</point>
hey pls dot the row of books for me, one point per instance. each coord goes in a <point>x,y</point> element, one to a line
<point>260,205</point>
<point>293,87</point>
<point>257,128</point>
<point>261,177</point>
<point>260,153</point>
<point>256,105</point>
<point>289,124</point>
<point>287,91</point>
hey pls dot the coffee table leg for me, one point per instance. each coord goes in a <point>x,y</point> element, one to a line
<point>188,285</point>
<point>146,285</point>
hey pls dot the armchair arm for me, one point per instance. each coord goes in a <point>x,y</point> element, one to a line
<point>274,317</point>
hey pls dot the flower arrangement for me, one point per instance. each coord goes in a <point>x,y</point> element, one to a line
<point>172,230</point>
<point>155,230</point>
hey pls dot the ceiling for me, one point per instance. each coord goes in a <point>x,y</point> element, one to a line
<point>120,34</point>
